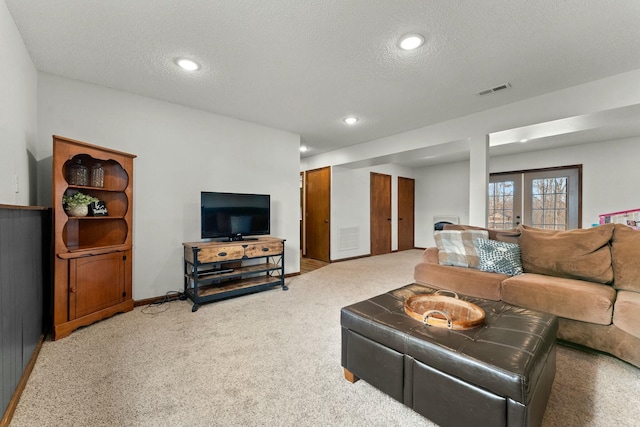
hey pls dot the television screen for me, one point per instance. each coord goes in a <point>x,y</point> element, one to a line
<point>234,215</point>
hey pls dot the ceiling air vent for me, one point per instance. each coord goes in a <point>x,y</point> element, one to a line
<point>495,89</point>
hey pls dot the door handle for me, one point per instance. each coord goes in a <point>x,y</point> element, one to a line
<point>399,219</point>
<point>388,219</point>
<point>326,221</point>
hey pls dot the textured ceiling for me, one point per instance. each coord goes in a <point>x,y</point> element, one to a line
<point>304,65</point>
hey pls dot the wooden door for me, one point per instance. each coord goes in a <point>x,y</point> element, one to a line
<point>380,203</point>
<point>96,282</point>
<point>318,214</point>
<point>406,207</point>
<point>302,248</point>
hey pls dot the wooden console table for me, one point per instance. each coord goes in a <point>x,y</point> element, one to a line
<point>219,270</point>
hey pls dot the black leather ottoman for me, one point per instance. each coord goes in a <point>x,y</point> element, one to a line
<point>499,374</point>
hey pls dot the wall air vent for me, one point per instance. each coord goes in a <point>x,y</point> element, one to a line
<point>495,89</point>
<point>349,238</point>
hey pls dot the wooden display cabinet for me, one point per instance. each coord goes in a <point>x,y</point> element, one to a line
<point>92,254</point>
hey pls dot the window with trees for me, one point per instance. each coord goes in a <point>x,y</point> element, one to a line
<point>542,198</point>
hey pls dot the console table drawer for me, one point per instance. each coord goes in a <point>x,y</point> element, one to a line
<point>264,249</point>
<point>221,253</point>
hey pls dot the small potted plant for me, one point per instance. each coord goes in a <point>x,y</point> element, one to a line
<point>77,204</point>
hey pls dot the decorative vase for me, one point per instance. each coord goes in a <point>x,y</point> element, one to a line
<point>82,210</point>
<point>97,175</point>
<point>78,174</point>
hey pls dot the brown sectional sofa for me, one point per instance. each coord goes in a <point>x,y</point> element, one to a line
<point>589,278</point>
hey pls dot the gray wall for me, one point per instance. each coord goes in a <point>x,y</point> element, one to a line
<point>23,254</point>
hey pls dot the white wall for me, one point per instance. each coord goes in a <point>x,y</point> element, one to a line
<point>448,137</point>
<point>610,177</point>
<point>440,190</point>
<point>610,173</point>
<point>181,151</point>
<point>350,194</point>
<point>18,125</point>
<point>612,92</point>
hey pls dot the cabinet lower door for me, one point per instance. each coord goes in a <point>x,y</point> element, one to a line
<point>96,282</point>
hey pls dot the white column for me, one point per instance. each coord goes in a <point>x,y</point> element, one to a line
<point>478,179</point>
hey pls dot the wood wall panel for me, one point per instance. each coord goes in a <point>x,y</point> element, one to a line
<point>24,282</point>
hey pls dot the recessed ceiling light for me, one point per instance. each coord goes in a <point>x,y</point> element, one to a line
<point>523,140</point>
<point>303,148</point>
<point>351,120</point>
<point>411,41</point>
<point>187,64</point>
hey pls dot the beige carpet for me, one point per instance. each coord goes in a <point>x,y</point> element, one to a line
<point>268,359</point>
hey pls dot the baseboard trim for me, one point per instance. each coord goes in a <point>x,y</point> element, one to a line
<point>366,256</point>
<point>15,398</point>
<point>351,258</point>
<point>155,300</point>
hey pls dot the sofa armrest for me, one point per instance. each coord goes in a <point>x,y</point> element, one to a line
<point>430,255</point>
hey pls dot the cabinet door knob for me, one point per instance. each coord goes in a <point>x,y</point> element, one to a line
<point>222,254</point>
<point>72,289</point>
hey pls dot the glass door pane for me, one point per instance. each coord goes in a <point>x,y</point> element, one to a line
<point>505,201</point>
<point>551,200</point>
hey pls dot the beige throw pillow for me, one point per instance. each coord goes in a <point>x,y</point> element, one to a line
<point>456,247</point>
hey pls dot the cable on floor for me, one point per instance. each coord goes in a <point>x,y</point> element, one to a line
<point>154,307</point>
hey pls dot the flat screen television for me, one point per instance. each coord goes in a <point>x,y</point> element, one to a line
<point>234,216</point>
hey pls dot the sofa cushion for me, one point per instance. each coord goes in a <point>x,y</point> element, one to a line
<point>466,281</point>
<point>457,247</point>
<point>499,257</point>
<point>569,298</point>
<point>430,255</point>
<point>510,235</point>
<point>625,257</point>
<point>626,314</point>
<point>575,254</point>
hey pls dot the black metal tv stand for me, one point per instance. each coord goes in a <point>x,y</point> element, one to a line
<point>219,270</point>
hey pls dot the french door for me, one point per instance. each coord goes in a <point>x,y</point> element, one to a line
<point>542,198</point>
<point>505,201</point>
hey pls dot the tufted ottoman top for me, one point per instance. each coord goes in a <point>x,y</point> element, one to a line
<point>505,355</point>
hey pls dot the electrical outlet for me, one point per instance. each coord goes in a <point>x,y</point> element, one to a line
<point>16,182</point>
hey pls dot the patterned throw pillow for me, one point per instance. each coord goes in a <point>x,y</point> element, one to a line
<point>456,247</point>
<point>499,257</point>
